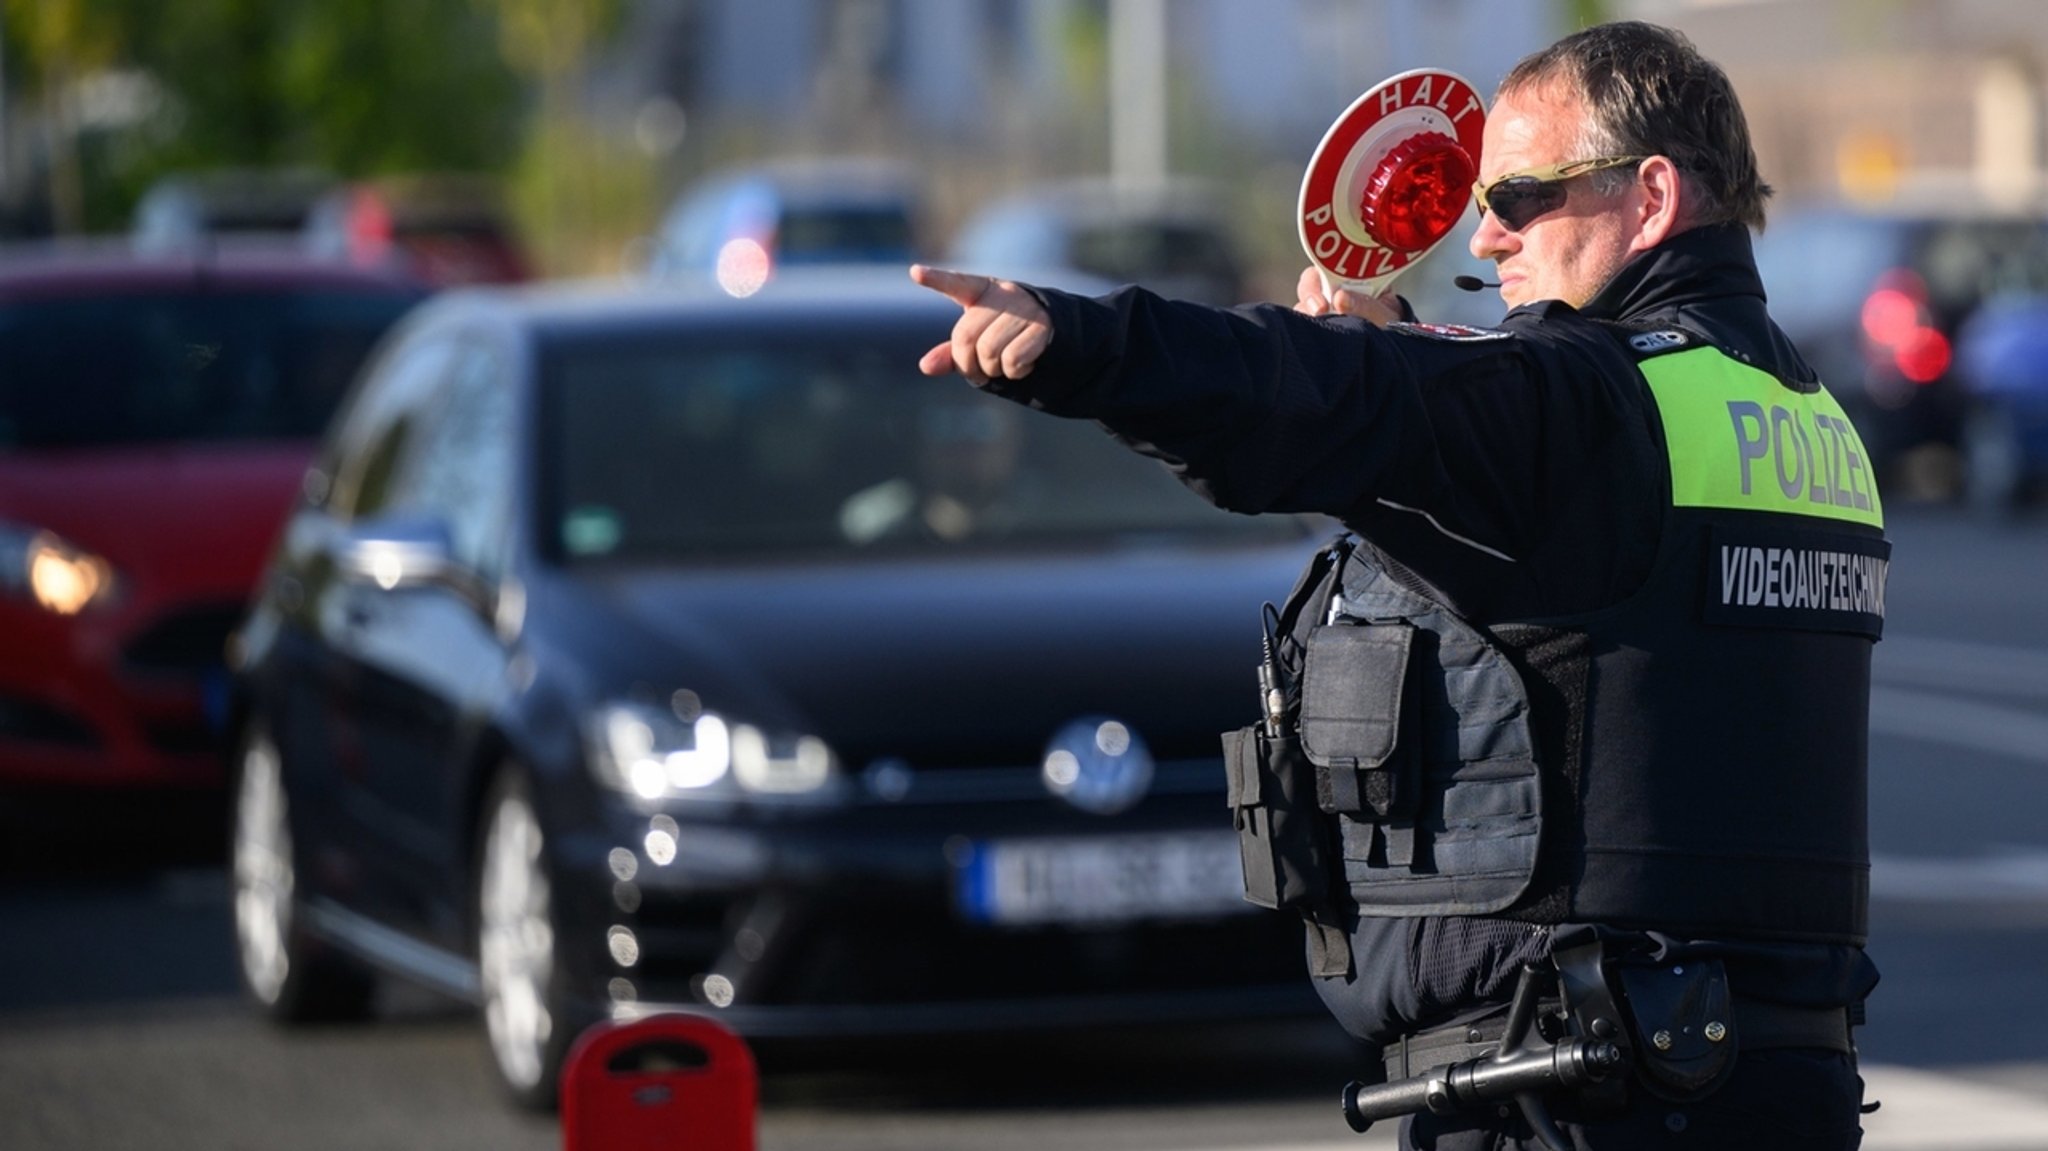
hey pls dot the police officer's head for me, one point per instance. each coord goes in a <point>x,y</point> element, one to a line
<point>1604,145</point>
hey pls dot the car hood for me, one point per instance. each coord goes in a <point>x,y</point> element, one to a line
<point>974,660</point>
<point>200,519</point>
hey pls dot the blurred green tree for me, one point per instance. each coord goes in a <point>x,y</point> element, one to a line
<point>1579,14</point>
<point>583,190</point>
<point>49,45</point>
<point>353,87</point>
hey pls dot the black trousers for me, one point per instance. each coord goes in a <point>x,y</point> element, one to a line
<point>1776,1100</point>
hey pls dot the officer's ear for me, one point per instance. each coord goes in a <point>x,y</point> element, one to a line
<point>1658,208</point>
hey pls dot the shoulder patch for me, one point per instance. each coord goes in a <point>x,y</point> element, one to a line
<point>1662,340</point>
<point>1455,332</point>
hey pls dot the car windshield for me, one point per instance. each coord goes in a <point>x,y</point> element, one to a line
<point>828,234</point>
<point>691,450</point>
<point>1130,251</point>
<point>188,367</point>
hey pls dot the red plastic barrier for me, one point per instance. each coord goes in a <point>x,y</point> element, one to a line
<point>664,1083</point>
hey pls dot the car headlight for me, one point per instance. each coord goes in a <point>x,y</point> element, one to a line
<point>45,567</point>
<point>654,753</point>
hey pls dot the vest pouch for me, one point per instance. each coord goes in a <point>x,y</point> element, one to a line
<point>1285,843</point>
<point>1359,723</point>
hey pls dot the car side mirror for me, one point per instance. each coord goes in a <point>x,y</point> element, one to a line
<point>401,552</point>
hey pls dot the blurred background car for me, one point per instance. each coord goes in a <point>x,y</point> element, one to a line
<point>638,652</point>
<point>2002,361</point>
<point>738,227</point>
<point>442,229</point>
<point>184,211</point>
<point>1174,238</point>
<point>156,417</point>
<point>1874,299</point>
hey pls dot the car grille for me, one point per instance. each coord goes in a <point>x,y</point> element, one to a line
<point>877,956</point>
<point>190,640</point>
<point>925,960</point>
<point>28,720</point>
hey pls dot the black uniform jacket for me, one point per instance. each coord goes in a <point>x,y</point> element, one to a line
<point>1517,470</point>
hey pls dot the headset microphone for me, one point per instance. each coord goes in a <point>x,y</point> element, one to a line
<point>1471,283</point>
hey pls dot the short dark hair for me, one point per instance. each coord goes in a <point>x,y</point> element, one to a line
<point>1647,91</point>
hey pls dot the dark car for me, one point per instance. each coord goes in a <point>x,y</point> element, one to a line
<point>1175,238</point>
<point>444,229</point>
<point>633,653</point>
<point>187,211</point>
<point>157,416</point>
<point>1874,299</point>
<point>738,227</point>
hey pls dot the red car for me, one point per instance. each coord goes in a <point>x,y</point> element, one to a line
<point>156,419</point>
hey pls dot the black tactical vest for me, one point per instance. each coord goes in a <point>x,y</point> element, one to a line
<point>1690,760</point>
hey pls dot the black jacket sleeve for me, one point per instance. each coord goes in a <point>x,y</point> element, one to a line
<point>1467,454</point>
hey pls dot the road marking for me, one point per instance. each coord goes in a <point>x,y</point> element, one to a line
<point>1956,665</point>
<point>1985,727</point>
<point>2004,874</point>
<point>1922,1111</point>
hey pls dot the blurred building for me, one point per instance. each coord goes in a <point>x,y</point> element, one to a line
<point>987,96</point>
<point>1883,101</point>
<point>967,68</point>
<point>1861,99</point>
<point>1857,99</point>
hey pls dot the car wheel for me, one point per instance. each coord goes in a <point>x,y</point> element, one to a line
<point>515,947</point>
<point>1994,472</point>
<point>292,976</point>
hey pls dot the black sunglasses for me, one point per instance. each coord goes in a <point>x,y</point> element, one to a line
<point>1518,198</point>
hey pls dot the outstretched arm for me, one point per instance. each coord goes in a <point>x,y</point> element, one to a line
<point>1257,408</point>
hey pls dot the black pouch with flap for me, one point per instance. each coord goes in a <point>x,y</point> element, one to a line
<point>1358,720</point>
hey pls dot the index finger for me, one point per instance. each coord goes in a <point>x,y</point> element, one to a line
<point>963,288</point>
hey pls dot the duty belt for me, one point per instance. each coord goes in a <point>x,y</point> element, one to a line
<point>1589,1034</point>
<point>1760,1024</point>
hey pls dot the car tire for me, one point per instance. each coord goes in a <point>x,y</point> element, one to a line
<point>518,967</point>
<point>1994,470</point>
<point>292,976</point>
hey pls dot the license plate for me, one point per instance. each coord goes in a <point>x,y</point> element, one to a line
<point>1102,879</point>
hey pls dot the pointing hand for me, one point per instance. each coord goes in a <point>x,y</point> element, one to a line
<point>1001,332</point>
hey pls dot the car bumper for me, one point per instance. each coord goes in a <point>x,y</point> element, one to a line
<point>863,925</point>
<point>116,701</point>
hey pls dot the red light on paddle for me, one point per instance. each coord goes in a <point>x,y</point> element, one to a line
<point>1417,192</point>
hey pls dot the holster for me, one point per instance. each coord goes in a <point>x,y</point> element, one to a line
<point>1684,1026</point>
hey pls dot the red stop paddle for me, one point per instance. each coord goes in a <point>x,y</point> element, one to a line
<point>1391,178</point>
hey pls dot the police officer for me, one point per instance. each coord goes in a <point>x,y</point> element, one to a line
<point>1594,674</point>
